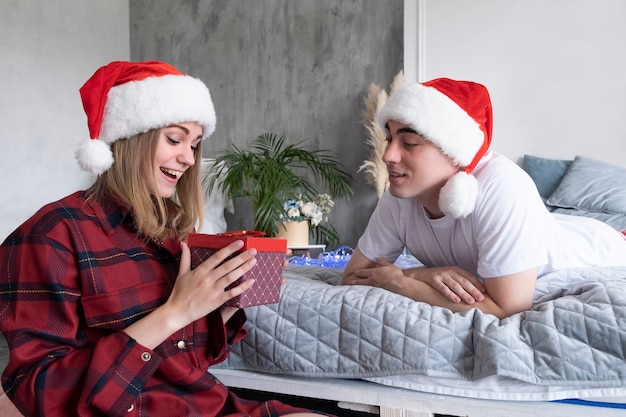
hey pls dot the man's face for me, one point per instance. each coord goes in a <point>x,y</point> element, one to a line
<point>417,168</point>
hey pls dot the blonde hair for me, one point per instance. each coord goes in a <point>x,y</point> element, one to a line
<point>131,179</point>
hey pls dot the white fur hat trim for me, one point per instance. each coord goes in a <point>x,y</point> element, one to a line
<point>154,102</point>
<point>438,118</point>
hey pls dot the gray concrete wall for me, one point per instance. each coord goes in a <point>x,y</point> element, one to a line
<point>298,68</point>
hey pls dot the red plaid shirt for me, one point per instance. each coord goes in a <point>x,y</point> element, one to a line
<point>72,278</point>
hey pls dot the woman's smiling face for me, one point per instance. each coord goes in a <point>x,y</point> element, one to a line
<point>175,153</point>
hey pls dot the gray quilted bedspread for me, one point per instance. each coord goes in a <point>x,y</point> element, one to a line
<point>575,334</point>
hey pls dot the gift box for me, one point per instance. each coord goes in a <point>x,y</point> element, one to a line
<point>267,272</point>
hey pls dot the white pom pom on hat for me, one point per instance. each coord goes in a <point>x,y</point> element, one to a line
<point>94,156</point>
<point>122,99</point>
<point>457,117</point>
<point>457,197</point>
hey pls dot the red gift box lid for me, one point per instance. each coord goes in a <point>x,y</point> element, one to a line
<point>250,238</point>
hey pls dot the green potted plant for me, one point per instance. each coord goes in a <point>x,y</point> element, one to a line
<point>273,174</point>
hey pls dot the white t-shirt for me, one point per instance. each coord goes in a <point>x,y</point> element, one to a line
<point>509,231</point>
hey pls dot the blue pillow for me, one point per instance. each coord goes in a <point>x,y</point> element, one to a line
<point>592,185</point>
<point>546,173</point>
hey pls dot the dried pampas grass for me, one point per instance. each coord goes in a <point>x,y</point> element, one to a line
<point>374,168</point>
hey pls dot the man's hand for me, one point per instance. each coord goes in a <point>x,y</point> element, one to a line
<point>453,282</point>
<point>384,275</point>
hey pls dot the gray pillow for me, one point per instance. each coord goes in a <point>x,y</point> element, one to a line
<point>546,173</point>
<point>592,186</point>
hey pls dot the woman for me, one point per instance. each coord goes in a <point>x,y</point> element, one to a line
<point>101,311</point>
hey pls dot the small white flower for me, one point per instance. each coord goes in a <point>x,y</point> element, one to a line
<point>293,212</point>
<point>309,209</point>
<point>316,219</point>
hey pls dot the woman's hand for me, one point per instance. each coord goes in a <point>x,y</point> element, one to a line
<point>453,282</point>
<point>203,290</point>
<point>196,293</point>
<point>288,254</point>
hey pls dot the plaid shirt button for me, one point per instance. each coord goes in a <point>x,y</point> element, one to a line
<point>181,344</point>
<point>131,408</point>
<point>146,356</point>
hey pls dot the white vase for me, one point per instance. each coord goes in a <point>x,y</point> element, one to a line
<point>296,233</point>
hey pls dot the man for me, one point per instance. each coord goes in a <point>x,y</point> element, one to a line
<point>471,216</point>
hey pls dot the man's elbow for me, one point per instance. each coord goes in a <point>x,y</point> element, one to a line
<point>508,311</point>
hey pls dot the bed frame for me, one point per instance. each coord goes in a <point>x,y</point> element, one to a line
<point>386,401</point>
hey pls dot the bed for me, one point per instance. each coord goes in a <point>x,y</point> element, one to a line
<point>376,351</point>
<point>373,351</point>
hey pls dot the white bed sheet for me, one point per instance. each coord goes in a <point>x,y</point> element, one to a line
<point>501,388</point>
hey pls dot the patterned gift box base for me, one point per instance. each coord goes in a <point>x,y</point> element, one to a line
<point>267,272</point>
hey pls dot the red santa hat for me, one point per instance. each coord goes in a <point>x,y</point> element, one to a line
<point>124,98</point>
<point>457,117</point>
